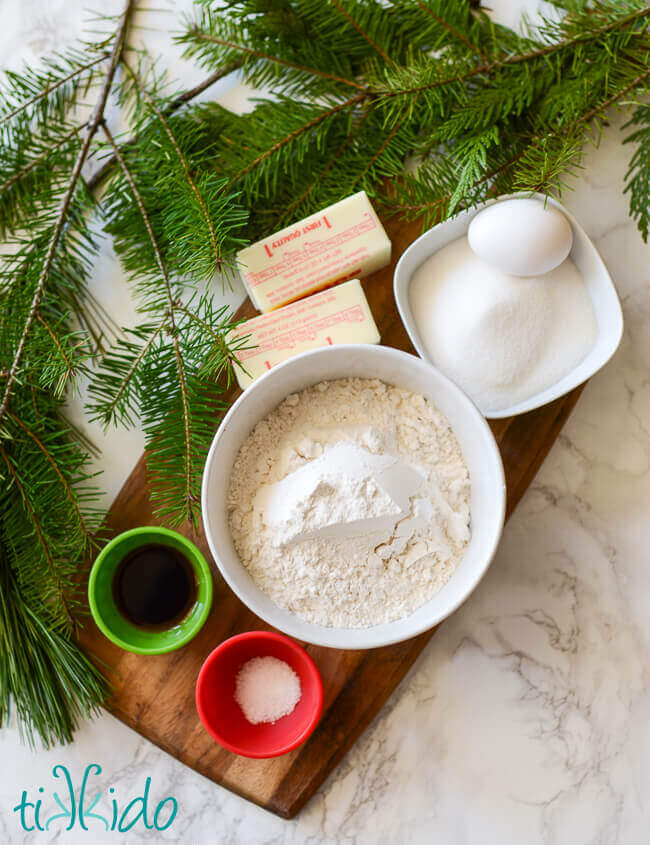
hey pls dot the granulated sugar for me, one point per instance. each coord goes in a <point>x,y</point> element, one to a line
<point>267,689</point>
<point>501,338</point>
<point>349,503</point>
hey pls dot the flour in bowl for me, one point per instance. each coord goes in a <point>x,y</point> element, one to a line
<point>349,503</point>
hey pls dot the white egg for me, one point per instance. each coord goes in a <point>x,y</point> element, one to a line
<point>522,237</point>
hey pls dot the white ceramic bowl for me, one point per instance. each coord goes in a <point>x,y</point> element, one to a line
<point>399,368</point>
<point>607,308</point>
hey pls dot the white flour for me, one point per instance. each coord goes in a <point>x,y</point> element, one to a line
<point>349,503</point>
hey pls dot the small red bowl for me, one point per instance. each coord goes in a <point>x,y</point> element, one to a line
<point>223,718</point>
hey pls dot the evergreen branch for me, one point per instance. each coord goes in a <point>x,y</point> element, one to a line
<point>196,33</point>
<point>330,164</point>
<point>378,153</point>
<point>361,31</point>
<point>109,410</point>
<point>59,347</point>
<point>590,35</point>
<point>51,682</point>
<point>176,103</point>
<point>189,496</point>
<point>53,87</point>
<point>145,217</point>
<point>226,352</point>
<point>446,203</point>
<point>615,97</point>
<point>203,324</point>
<point>16,177</point>
<point>479,70</point>
<point>522,58</point>
<point>473,155</point>
<point>67,488</point>
<point>93,124</point>
<point>456,34</point>
<point>191,93</point>
<point>36,524</point>
<point>301,130</point>
<point>637,177</point>
<point>442,203</point>
<point>184,164</point>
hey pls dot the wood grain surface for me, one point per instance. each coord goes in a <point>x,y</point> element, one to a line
<point>154,695</point>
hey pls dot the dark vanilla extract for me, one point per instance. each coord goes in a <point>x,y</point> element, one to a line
<point>155,587</point>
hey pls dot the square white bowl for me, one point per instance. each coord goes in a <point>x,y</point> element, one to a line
<point>601,290</point>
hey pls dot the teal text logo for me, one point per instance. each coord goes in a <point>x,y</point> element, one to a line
<point>84,812</point>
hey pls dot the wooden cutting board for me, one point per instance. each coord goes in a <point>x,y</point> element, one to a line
<point>155,695</point>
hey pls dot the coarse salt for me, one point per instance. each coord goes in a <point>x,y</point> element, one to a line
<point>267,689</point>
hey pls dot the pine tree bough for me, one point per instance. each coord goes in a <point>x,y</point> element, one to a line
<point>173,325</point>
<point>51,683</point>
<point>93,125</point>
<point>425,104</point>
<point>176,103</point>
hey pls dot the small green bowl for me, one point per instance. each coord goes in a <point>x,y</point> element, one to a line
<point>105,612</point>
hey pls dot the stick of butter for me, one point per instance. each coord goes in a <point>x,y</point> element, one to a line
<point>344,241</point>
<point>337,315</point>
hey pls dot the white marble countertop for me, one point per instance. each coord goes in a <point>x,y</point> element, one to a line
<point>525,720</point>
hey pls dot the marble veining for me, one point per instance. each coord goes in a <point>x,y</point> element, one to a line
<point>525,720</point>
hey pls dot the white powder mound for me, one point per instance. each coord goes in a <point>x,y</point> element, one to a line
<point>501,338</point>
<point>267,689</point>
<point>347,491</point>
<point>349,503</point>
